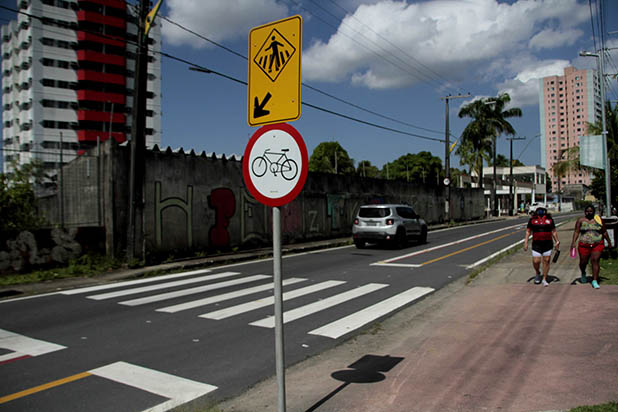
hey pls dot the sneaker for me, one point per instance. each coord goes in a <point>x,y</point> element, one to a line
<point>545,283</point>
<point>583,279</point>
<point>537,279</point>
<point>595,284</point>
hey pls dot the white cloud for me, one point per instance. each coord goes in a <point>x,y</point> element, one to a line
<point>433,40</point>
<point>551,38</point>
<point>524,87</point>
<point>218,20</point>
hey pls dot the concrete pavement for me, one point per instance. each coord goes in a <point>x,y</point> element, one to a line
<point>499,343</point>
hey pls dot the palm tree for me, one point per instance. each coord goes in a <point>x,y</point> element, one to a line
<point>489,122</point>
<point>569,162</point>
<point>475,136</point>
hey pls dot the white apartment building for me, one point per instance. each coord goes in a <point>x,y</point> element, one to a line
<point>68,77</point>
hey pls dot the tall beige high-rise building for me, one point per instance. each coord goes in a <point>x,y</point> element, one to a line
<point>566,104</point>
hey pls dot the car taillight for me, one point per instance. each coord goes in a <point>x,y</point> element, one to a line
<point>356,221</point>
<point>390,221</point>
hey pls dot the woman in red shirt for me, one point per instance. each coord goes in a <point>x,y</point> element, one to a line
<point>543,230</point>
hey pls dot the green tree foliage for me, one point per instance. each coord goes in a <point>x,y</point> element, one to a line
<point>489,121</point>
<point>366,169</point>
<point>330,157</point>
<point>18,209</point>
<point>422,168</point>
<point>503,161</point>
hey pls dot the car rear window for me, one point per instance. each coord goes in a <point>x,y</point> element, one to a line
<point>374,212</point>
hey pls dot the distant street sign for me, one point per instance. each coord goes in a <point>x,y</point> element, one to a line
<point>275,51</point>
<point>275,164</point>
<point>447,181</point>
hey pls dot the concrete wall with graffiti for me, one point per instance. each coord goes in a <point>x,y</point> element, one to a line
<point>199,203</point>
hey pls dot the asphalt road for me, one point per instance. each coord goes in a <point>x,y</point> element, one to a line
<point>159,342</point>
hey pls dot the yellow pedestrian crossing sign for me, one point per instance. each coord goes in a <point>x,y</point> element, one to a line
<point>275,51</point>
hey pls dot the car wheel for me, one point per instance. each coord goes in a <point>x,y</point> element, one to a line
<point>422,239</point>
<point>401,239</point>
<point>360,244</point>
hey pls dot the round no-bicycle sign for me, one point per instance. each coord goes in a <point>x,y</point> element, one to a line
<point>275,164</point>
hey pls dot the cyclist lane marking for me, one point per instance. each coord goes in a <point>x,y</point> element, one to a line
<point>391,262</point>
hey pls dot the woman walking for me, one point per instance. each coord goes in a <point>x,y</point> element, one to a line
<point>543,230</point>
<point>591,231</point>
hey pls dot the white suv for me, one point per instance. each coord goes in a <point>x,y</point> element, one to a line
<point>533,207</point>
<point>395,223</point>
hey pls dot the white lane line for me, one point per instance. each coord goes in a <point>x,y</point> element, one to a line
<point>126,292</point>
<point>260,303</point>
<point>24,346</point>
<point>185,292</point>
<point>358,319</point>
<point>319,305</point>
<point>133,282</point>
<point>444,245</point>
<point>488,258</point>
<point>397,265</point>
<point>178,390</point>
<point>225,296</point>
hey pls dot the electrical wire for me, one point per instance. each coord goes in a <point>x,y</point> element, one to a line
<point>435,76</point>
<point>303,83</point>
<point>245,83</point>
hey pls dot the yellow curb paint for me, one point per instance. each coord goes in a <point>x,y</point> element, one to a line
<point>43,387</point>
<point>466,249</point>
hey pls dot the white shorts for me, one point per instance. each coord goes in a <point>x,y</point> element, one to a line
<point>539,254</point>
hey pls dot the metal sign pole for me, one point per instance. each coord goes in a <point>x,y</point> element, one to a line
<point>279,348</point>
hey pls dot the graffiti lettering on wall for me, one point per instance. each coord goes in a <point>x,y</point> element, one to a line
<point>185,206</point>
<point>253,219</point>
<point>223,201</point>
<point>336,208</point>
<point>24,251</point>
<point>314,226</point>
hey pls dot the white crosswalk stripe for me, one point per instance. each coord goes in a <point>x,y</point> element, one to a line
<point>320,305</point>
<point>324,297</point>
<point>111,295</point>
<point>133,282</point>
<point>356,320</point>
<point>185,292</point>
<point>260,303</point>
<point>226,296</point>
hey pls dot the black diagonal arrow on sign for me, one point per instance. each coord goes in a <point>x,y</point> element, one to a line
<point>258,108</point>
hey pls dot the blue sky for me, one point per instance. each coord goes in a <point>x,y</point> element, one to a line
<point>396,58</point>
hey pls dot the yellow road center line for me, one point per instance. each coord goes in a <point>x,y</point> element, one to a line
<point>43,387</point>
<point>466,249</point>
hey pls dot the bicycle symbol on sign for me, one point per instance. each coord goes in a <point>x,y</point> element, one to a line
<point>281,164</point>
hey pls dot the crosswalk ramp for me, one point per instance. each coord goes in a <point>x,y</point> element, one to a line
<point>219,295</point>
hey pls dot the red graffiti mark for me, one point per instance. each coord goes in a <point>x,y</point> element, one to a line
<point>224,203</point>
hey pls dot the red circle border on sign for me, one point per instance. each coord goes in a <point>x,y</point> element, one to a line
<point>283,200</point>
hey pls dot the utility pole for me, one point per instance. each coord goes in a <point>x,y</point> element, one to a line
<point>600,62</point>
<point>447,153</point>
<point>511,200</point>
<point>138,138</point>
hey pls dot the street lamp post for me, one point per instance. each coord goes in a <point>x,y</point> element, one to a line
<point>600,61</point>
<point>511,200</point>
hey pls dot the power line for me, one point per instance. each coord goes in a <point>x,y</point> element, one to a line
<point>206,70</point>
<point>305,84</point>
<point>436,76</point>
<point>245,83</point>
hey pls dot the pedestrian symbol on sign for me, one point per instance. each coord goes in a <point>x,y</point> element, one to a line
<point>274,54</point>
